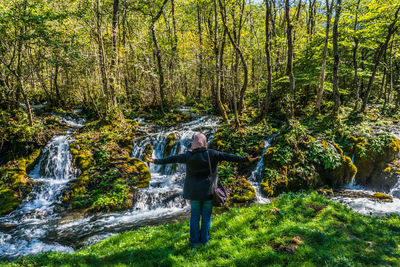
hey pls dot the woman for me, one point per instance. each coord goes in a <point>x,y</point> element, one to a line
<point>198,187</point>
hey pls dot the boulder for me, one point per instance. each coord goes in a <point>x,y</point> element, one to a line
<point>372,161</point>
<point>241,191</point>
<point>169,143</point>
<point>15,183</point>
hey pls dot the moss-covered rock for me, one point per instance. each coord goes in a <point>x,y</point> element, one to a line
<point>386,178</point>
<point>341,174</point>
<point>297,160</point>
<point>169,143</point>
<point>15,183</point>
<point>381,197</point>
<point>9,200</point>
<point>136,171</point>
<point>372,155</point>
<point>241,191</point>
<point>147,153</point>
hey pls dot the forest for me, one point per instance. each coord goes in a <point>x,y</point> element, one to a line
<point>90,90</point>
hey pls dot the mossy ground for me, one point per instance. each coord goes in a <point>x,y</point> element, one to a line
<point>294,230</point>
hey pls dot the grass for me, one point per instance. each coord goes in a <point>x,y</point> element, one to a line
<point>303,229</point>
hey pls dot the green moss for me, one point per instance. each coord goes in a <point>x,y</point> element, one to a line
<point>109,178</point>
<point>169,143</point>
<point>148,152</point>
<point>341,174</point>
<point>372,155</point>
<point>15,183</point>
<point>242,191</point>
<point>139,173</point>
<point>9,200</point>
<point>382,197</point>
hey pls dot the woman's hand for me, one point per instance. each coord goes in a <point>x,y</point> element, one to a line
<point>150,160</point>
<point>252,159</point>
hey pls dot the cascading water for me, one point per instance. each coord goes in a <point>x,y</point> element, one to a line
<point>368,206</point>
<point>256,175</point>
<point>25,230</point>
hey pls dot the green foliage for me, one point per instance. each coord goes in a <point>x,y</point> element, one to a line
<point>319,153</point>
<point>226,173</point>
<point>295,230</point>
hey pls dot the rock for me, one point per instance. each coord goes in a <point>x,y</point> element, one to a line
<point>9,200</point>
<point>341,175</point>
<point>356,194</point>
<point>15,183</point>
<point>372,162</point>
<point>241,191</point>
<point>169,143</point>
<point>382,197</point>
<point>386,178</point>
<point>147,153</point>
<point>325,191</point>
<point>138,172</point>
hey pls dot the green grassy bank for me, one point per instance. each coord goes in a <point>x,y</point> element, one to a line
<point>294,230</point>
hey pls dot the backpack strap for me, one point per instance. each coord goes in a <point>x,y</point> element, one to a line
<point>209,163</point>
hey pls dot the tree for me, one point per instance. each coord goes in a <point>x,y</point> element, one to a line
<point>335,36</point>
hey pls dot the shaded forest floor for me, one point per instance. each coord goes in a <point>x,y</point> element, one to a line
<point>295,229</point>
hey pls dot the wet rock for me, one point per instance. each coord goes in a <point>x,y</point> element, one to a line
<point>169,143</point>
<point>357,194</point>
<point>148,152</point>
<point>385,180</point>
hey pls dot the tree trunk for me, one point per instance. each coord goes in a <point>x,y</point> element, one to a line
<point>161,84</point>
<point>114,37</point>
<point>355,38</point>
<point>200,30</point>
<point>268,54</point>
<point>217,69</point>
<point>101,54</point>
<point>239,52</point>
<point>378,53</point>
<point>324,55</point>
<point>290,60</point>
<point>336,58</point>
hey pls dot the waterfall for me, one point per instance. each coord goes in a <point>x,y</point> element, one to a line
<point>256,175</point>
<point>24,231</point>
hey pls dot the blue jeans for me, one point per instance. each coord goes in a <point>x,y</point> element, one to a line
<point>203,209</point>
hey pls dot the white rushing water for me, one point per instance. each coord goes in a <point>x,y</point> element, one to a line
<point>256,175</point>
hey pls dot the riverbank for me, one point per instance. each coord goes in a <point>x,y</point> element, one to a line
<point>295,229</point>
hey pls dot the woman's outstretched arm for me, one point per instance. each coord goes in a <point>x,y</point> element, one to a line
<point>180,158</point>
<point>222,156</point>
